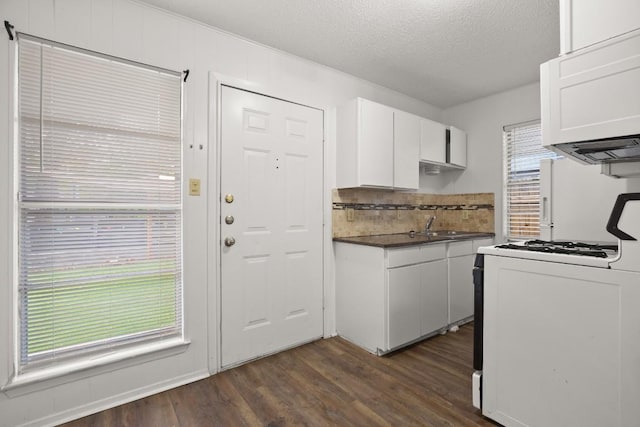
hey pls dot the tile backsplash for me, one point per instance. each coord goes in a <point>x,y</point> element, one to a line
<point>362,212</point>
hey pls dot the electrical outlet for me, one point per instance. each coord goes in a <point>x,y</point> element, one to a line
<point>465,214</point>
<point>350,214</point>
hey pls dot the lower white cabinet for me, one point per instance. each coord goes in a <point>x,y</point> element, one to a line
<point>404,284</point>
<point>417,301</point>
<point>387,298</point>
<point>460,258</point>
<point>433,292</point>
<point>460,288</point>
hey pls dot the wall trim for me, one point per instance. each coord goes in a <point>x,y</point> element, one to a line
<point>113,401</point>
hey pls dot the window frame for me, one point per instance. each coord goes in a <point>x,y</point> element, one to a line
<point>127,354</point>
<point>533,180</point>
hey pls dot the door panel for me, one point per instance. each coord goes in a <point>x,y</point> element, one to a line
<point>434,310</point>
<point>375,144</point>
<point>460,288</point>
<point>271,278</point>
<point>404,308</point>
<point>255,313</point>
<point>406,150</point>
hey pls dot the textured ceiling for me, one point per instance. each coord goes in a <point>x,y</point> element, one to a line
<point>443,52</point>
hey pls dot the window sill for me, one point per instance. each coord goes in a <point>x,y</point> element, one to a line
<point>81,368</point>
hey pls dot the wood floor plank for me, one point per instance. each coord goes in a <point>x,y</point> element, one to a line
<point>328,382</point>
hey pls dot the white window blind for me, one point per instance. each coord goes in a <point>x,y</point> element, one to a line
<point>99,165</point>
<point>522,154</point>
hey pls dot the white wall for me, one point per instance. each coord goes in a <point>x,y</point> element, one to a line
<point>483,120</point>
<point>582,199</point>
<point>138,32</point>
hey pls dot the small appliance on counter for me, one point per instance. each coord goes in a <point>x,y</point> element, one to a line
<point>557,328</point>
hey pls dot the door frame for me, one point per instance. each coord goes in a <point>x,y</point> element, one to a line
<point>213,209</point>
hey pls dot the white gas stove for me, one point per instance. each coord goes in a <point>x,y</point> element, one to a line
<point>579,253</point>
<point>557,329</point>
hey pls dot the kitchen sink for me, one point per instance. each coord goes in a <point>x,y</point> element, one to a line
<point>442,234</point>
<point>451,234</point>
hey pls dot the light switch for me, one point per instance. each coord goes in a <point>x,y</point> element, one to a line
<point>194,187</point>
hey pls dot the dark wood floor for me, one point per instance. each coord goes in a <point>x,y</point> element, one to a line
<point>327,382</point>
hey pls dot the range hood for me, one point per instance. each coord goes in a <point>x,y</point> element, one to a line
<point>591,107</point>
<point>608,150</point>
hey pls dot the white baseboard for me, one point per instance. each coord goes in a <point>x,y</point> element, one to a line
<point>119,399</point>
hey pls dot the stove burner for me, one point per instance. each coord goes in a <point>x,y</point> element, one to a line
<point>568,248</point>
<point>566,244</point>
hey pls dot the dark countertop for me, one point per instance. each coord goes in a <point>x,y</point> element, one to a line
<point>404,239</point>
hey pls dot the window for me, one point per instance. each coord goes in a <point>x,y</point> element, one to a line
<point>522,154</point>
<point>99,171</point>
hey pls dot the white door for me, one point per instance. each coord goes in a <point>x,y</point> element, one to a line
<point>271,277</point>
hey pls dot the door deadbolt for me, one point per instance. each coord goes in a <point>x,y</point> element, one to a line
<point>229,241</point>
<point>228,198</point>
<point>228,219</point>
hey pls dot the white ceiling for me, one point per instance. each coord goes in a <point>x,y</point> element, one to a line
<point>443,52</point>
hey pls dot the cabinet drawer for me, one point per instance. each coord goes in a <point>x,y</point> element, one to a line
<point>483,242</point>
<point>460,248</point>
<point>413,255</point>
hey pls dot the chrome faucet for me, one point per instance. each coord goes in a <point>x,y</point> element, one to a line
<point>427,227</point>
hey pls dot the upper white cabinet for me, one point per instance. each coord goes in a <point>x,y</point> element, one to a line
<point>377,146</point>
<point>586,22</point>
<point>406,149</point>
<point>364,152</point>
<point>457,147</point>
<point>592,93</point>
<point>433,141</point>
<point>443,146</point>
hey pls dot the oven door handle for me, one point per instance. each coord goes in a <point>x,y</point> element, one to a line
<point>614,219</point>
<point>478,311</point>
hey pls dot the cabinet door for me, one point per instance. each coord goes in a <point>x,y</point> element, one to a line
<point>433,296</point>
<point>586,95</point>
<point>375,144</point>
<point>406,148</point>
<point>586,22</point>
<point>404,306</point>
<point>460,288</point>
<point>458,147</point>
<point>432,141</point>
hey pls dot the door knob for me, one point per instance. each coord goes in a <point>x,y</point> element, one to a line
<point>229,241</point>
<point>229,219</point>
